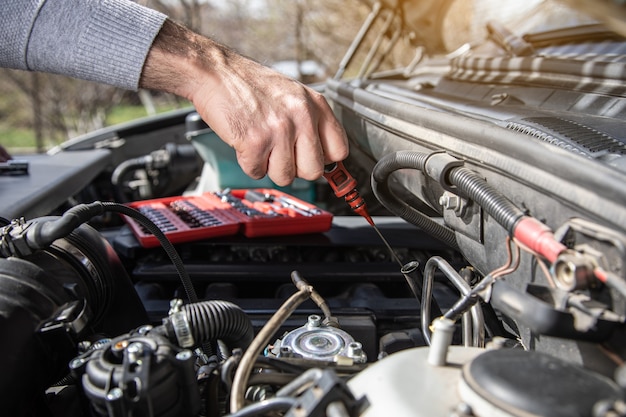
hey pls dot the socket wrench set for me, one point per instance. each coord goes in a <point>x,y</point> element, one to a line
<point>252,212</point>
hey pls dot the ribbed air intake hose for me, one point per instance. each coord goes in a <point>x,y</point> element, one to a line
<point>380,175</point>
<point>214,319</point>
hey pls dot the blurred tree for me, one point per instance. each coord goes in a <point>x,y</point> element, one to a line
<point>190,13</point>
<point>60,107</point>
<point>319,30</point>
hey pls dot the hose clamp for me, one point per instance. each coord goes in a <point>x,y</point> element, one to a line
<point>180,324</point>
<point>438,166</point>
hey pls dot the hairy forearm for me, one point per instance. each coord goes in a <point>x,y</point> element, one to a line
<point>180,59</point>
<point>276,125</point>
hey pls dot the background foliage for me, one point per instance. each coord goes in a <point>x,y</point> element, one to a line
<point>38,111</point>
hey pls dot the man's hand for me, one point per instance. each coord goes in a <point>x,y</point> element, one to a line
<point>276,125</point>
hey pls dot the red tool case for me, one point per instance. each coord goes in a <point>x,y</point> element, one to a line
<point>251,212</point>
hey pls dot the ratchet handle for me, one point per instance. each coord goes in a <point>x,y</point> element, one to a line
<point>339,179</point>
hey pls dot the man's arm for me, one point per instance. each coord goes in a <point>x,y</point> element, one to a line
<point>276,125</point>
<point>97,40</point>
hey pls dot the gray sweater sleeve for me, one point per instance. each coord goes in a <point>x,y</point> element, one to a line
<point>105,41</point>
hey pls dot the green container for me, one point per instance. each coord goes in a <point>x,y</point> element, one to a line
<point>221,169</point>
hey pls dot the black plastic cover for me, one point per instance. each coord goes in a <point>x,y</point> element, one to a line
<point>522,382</point>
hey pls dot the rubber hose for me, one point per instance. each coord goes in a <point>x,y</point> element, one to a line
<point>214,319</point>
<point>127,166</point>
<point>42,234</point>
<point>380,175</point>
<point>492,201</point>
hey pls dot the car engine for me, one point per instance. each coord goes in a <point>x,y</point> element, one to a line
<point>488,281</point>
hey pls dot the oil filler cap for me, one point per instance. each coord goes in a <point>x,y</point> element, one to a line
<point>520,383</point>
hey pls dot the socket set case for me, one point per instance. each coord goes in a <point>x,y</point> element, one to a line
<point>251,212</point>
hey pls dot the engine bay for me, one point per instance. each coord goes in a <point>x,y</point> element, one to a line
<point>498,287</point>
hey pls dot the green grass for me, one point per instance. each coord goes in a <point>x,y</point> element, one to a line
<point>125,113</point>
<point>15,139</point>
<point>121,114</point>
<point>22,140</point>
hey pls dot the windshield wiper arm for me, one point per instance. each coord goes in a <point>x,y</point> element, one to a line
<point>583,33</point>
<point>511,43</point>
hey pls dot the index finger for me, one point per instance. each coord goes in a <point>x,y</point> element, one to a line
<point>332,136</point>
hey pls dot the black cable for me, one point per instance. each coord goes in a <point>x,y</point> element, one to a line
<point>299,365</point>
<point>167,245</point>
<point>276,379</point>
<point>42,234</point>
<point>280,364</point>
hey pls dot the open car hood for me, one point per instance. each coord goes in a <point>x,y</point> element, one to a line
<point>494,164</point>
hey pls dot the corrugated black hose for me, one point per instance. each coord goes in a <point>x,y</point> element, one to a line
<point>491,200</point>
<point>380,175</point>
<point>214,319</point>
<point>468,183</point>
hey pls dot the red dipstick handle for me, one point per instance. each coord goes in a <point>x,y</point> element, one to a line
<point>344,186</point>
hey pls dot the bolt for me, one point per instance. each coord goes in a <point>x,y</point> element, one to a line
<point>355,349</point>
<point>285,352</point>
<point>121,345</point>
<point>175,306</point>
<point>135,348</point>
<point>314,321</point>
<point>355,352</point>
<point>452,202</point>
